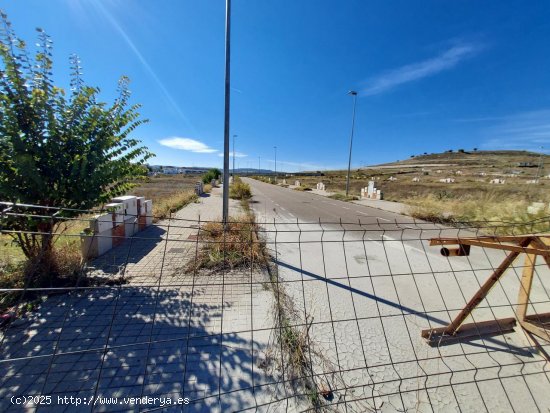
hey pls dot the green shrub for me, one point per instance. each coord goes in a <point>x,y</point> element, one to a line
<point>239,190</point>
<point>213,173</point>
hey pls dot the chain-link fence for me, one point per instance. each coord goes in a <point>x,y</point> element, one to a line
<point>269,316</point>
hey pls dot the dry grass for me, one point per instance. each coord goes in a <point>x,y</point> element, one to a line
<point>165,206</point>
<point>161,187</point>
<point>239,190</point>
<point>236,247</point>
<point>470,198</point>
<point>169,193</point>
<point>61,268</point>
<point>302,188</point>
<point>207,188</point>
<point>488,209</point>
<point>343,197</point>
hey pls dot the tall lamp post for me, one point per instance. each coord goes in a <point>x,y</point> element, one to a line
<point>354,94</point>
<point>275,163</point>
<point>234,136</point>
<point>259,166</point>
<point>225,208</point>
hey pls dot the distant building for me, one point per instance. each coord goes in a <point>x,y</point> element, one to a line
<point>173,170</point>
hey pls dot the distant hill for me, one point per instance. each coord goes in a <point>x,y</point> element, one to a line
<point>474,159</point>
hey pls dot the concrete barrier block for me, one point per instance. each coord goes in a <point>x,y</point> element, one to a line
<point>140,201</point>
<point>104,241</point>
<point>88,246</point>
<point>118,234</point>
<point>117,212</point>
<point>101,223</point>
<point>148,212</point>
<point>130,204</point>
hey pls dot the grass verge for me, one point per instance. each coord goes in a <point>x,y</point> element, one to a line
<point>172,203</point>
<point>62,268</point>
<point>343,197</point>
<point>490,213</point>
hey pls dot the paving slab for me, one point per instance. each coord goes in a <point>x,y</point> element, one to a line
<point>164,333</point>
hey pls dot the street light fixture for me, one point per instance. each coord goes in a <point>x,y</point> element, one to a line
<point>354,94</point>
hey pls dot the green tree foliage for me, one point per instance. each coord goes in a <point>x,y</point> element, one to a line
<point>60,149</point>
<point>213,173</point>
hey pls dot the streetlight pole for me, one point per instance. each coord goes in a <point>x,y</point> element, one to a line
<point>234,136</point>
<point>354,94</point>
<point>259,166</point>
<point>225,209</point>
<point>275,163</point>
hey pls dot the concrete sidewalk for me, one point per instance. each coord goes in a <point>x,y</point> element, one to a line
<point>164,333</point>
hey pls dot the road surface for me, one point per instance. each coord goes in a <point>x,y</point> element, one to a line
<point>365,292</point>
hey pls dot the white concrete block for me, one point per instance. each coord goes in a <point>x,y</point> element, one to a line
<point>101,223</point>
<point>131,227</point>
<point>148,212</point>
<point>130,204</point>
<point>140,204</point>
<point>104,242</point>
<point>118,210</point>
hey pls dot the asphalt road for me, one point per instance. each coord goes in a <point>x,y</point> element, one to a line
<point>369,283</point>
<point>289,205</point>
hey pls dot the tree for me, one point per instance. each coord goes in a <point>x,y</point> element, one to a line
<point>60,149</point>
<point>213,173</point>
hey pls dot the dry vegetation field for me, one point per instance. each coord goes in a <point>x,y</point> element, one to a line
<point>470,198</point>
<point>168,192</point>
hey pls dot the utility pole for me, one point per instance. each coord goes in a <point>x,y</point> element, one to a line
<point>354,94</point>
<point>225,211</point>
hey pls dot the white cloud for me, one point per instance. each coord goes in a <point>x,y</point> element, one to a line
<point>419,70</point>
<point>187,144</point>
<point>526,130</point>
<point>237,154</point>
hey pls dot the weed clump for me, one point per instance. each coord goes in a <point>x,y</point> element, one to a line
<point>343,197</point>
<point>236,246</point>
<point>239,190</point>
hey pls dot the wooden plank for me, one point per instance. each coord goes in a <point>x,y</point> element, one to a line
<point>525,285</point>
<point>514,239</point>
<point>483,291</point>
<point>543,242</point>
<point>493,245</point>
<point>536,330</point>
<point>437,336</point>
<point>542,318</point>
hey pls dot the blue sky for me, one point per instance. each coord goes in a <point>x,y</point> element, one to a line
<point>431,75</point>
